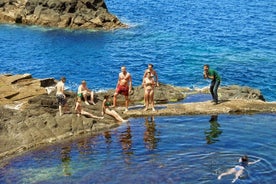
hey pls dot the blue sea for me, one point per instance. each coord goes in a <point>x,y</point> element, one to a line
<point>236,38</point>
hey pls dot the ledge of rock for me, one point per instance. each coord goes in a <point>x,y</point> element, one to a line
<point>29,112</point>
<point>72,14</point>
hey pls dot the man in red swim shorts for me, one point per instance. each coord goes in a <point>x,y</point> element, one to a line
<point>124,85</point>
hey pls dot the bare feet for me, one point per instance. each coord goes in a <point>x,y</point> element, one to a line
<point>86,103</point>
<point>145,109</point>
<point>153,109</point>
<point>91,102</point>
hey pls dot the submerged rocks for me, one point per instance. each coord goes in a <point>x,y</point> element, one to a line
<point>73,14</point>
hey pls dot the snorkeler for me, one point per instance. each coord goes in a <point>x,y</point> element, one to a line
<point>238,169</point>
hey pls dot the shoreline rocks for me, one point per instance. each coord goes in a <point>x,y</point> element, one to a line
<point>72,14</point>
<point>29,113</point>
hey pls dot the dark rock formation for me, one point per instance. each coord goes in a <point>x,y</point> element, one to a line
<point>73,14</point>
<point>29,113</point>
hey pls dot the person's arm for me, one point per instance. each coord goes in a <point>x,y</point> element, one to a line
<point>62,90</point>
<point>130,83</point>
<point>118,82</point>
<point>145,73</point>
<point>79,90</point>
<point>153,83</point>
<point>156,78</point>
<point>250,163</point>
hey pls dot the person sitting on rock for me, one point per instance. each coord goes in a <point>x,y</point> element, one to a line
<point>80,111</point>
<point>238,169</point>
<point>84,92</point>
<point>107,110</point>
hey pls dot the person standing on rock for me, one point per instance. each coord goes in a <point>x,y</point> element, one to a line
<point>153,74</point>
<point>149,85</point>
<point>61,98</point>
<point>124,86</point>
<point>84,92</point>
<point>214,76</point>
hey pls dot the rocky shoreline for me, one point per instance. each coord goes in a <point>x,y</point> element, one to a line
<point>29,112</point>
<point>69,14</point>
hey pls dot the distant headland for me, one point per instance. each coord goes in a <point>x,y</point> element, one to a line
<point>69,14</point>
<point>29,111</point>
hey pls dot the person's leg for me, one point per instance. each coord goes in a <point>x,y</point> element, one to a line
<point>146,97</point>
<point>85,95</point>
<point>117,116</point>
<point>215,91</point>
<point>60,109</point>
<point>90,115</point>
<point>151,99</point>
<point>115,99</point>
<point>212,90</point>
<point>92,98</point>
<point>127,102</point>
<point>237,175</point>
<point>230,171</point>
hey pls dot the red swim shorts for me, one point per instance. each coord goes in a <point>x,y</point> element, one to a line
<point>123,90</point>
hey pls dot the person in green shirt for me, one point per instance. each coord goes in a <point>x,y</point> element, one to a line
<point>214,76</point>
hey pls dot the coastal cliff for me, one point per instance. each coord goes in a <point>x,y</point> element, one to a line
<point>29,111</point>
<point>72,14</point>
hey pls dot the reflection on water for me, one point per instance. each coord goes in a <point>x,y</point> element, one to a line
<point>150,138</point>
<point>214,132</point>
<point>65,160</point>
<point>182,149</point>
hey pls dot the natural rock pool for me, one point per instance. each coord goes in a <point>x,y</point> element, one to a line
<point>181,149</point>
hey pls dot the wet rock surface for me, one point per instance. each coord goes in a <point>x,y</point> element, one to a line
<point>29,111</point>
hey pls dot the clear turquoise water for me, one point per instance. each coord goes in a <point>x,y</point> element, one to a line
<point>237,38</point>
<point>183,149</point>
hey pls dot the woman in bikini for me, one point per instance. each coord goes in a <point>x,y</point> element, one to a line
<point>148,83</point>
<point>107,110</point>
<point>238,169</point>
<point>80,111</point>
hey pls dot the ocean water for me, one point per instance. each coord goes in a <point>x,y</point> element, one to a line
<point>181,149</point>
<point>237,38</point>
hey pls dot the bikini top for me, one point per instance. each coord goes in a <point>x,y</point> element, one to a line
<point>107,104</point>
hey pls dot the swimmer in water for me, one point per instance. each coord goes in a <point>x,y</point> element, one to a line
<point>238,169</point>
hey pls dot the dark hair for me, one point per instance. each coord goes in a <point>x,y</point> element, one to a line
<point>106,96</point>
<point>244,158</point>
<point>150,65</point>
<point>206,65</point>
<point>63,78</point>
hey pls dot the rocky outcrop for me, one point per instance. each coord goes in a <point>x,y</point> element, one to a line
<point>29,112</point>
<point>73,14</point>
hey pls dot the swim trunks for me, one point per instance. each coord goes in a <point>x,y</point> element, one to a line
<point>61,99</point>
<point>122,90</point>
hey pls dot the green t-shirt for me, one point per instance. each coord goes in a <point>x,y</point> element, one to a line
<point>214,73</point>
